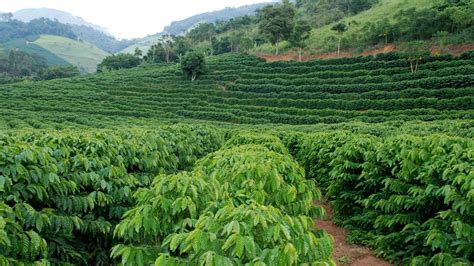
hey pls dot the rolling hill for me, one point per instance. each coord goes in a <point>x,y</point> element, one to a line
<point>84,55</point>
<point>27,45</point>
<point>59,51</point>
<point>182,26</point>
<point>245,90</point>
<point>82,29</point>
<point>323,38</point>
<point>252,163</point>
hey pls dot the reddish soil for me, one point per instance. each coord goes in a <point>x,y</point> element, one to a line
<point>345,253</point>
<point>451,49</point>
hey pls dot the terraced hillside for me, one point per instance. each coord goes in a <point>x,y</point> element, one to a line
<point>241,188</point>
<point>243,89</point>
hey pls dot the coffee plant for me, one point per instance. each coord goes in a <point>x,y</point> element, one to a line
<point>409,198</point>
<point>62,193</point>
<point>244,204</point>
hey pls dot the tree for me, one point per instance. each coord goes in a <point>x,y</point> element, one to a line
<point>416,54</point>
<point>56,72</point>
<point>21,64</point>
<point>203,32</point>
<point>181,46</point>
<point>222,45</point>
<point>115,62</point>
<point>441,37</point>
<point>156,54</point>
<point>138,53</point>
<point>245,44</point>
<point>235,39</point>
<point>6,16</point>
<point>339,28</point>
<point>193,64</point>
<point>277,22</point>
<point>301,33</point>
<point>168,45</point>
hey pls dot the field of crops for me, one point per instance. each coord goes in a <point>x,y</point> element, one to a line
<point>94,170</point>
<point>242,89</point>
<point>144,196</point>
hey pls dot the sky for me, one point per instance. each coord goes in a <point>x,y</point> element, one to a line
<point>128,18</point>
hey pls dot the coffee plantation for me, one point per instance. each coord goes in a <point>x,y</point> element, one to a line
<point>145,167</point>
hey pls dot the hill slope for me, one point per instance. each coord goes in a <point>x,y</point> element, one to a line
<point>385,10</point>
<point>27,45</point>
<point>182,26</point>
<point>84,55</point>
<point>242,89</point>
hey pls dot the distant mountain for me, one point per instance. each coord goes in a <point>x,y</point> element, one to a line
<point>29,14</point>
<point>100,39</point>
<point>180,27</point>
<point>83,30</point>
<point>58,50</point>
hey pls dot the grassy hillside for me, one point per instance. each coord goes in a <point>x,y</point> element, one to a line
<point>84,55</point>
<point>438,26</point>
<point>385,9</point>
<point>27,45</point>
<point>244,90</point>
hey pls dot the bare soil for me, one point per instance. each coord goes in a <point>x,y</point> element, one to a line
<point>451,49</point>
<point>345,253</point>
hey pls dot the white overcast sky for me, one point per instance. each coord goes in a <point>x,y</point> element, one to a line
<point>128,18</point>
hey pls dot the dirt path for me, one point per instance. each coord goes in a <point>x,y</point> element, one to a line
<point>345,253</point>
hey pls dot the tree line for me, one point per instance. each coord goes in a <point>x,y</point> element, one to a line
<point>19,65</point>
<point>11,29</point>
<point>293,23</point>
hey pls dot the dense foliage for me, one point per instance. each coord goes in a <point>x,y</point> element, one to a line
<point>399,187</point>
<point>193,64</point>
<point>120,61</point>
<point>410,198</point>
<point>14,29</point>
<point>321,13</point>
<point>63,192</point>
<point>180,27</point>
<point>243,204</point>
<point>446,17</point>
<point>277,22</point>
<point>18,65</point>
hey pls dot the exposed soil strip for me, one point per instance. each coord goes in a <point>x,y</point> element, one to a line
<point>345,253</point>
<point>451,49</point>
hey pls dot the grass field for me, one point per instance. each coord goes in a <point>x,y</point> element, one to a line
<point>84,55</point>
<point>27,45</point>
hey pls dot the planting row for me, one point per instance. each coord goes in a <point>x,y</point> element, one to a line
<point>410,198</point>
<point>246,204</point>
<point>62,193</point>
